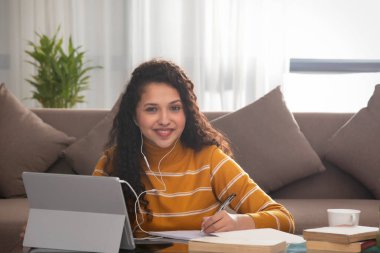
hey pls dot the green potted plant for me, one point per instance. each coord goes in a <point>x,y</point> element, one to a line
<point>60,77</point>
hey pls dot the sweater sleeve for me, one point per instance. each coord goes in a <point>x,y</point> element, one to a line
<point>104,166</point>
<point>227,177</point>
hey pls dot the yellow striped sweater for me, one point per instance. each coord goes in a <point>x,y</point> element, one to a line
<point>196,184</point>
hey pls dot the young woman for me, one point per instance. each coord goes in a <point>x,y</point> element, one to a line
<point>179,167</point>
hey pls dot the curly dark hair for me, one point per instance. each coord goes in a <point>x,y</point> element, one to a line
<point>125,134</point>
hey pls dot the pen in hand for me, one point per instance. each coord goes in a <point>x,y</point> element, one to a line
<point>225,204</point>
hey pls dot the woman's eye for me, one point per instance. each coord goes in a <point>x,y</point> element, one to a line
<point>176,108</point>
<point>151,109</point>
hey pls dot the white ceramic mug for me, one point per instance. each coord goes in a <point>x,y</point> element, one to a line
<point>343,217</point>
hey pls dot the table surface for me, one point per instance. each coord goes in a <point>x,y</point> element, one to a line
<point>167,248</point>
<point>181,246</point>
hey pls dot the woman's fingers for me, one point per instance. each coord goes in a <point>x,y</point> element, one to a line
<point>217,223</point>
<point>224,221</point>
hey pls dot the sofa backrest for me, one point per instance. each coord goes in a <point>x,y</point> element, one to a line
<point>317,128</point>
<point>74,122</point>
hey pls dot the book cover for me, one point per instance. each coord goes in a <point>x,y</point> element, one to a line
<point>219,244</point>
<point>322,251</point>
<point>340,247</point>
<point>373,249</point>
<point>341,234</point>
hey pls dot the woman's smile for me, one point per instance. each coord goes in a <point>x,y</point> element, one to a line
<point>164,132</point>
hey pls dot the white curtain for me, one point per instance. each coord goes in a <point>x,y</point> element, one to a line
<point>233,50</point>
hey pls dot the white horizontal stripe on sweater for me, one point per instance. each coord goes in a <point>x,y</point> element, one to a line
<point>177,174</point>
<point>189,213</point>
<point>276,219</point>
<point>291,225</point>
<point>245,197</point>
<point>291,229</point>
<point>232,182</point>
<point>218,166</point>
<point>264,206</point>
<point>172,195</point>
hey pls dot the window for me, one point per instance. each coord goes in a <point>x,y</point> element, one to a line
<point>318,33</point>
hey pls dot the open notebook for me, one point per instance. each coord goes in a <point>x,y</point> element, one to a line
<point>75,212</point>
<point>260,234</point>
<point>253,240</point>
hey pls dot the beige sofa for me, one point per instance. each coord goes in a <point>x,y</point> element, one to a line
<point>307,198</point>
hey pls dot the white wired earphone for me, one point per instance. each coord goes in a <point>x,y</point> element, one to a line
<point>137,203</point>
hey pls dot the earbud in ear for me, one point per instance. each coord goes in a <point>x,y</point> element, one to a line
<point>134,120</point>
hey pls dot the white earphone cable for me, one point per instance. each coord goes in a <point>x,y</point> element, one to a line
<point>137,202</point>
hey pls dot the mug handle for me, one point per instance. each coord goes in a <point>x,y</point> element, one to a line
<point>353,219</point>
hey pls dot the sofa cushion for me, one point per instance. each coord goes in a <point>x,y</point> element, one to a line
<point>26,143</point>
<point>268,143</point>
<point>333,183</point>
<point>84,153</point>
<point>355,147</point>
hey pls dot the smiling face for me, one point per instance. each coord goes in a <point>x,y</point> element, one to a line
<point>160,115</point>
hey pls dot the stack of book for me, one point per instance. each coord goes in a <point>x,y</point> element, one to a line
<point>340,239</point>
